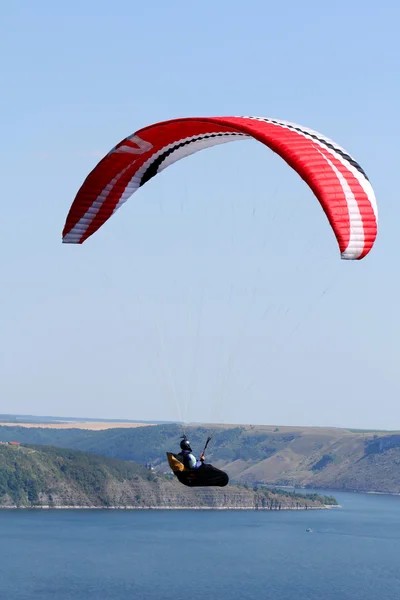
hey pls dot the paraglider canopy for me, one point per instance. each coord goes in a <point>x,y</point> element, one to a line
<point>335,177</point>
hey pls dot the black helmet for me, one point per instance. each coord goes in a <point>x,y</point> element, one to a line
<point>185,444</point>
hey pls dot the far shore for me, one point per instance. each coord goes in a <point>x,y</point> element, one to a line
<point>93,426</point>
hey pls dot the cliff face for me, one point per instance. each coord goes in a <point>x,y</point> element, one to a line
<point>378,472</point>
<point>51,477</point>
<point>171,494</point>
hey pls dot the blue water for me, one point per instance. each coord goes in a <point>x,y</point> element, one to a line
<point>352,553</point>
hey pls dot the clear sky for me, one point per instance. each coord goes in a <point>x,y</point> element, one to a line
<point>217,292</point>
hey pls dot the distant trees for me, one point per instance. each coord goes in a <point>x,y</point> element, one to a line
<point>25,476</point>
<point>324,462</point>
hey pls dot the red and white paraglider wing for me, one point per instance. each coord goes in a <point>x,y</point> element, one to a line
<point>336,179</point>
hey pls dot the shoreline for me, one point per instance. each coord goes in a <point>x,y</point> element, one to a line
<point>253,508</point>
<point>310,490</point>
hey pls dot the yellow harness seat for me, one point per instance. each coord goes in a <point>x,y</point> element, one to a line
<point>174,463</point>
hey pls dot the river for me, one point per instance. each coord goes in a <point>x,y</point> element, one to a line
<point>353,553</point>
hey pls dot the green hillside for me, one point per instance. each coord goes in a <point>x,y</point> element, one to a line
<point>285,456</point>
<point>41,476</point>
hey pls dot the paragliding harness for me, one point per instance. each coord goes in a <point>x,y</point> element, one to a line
<point>178,464</point>
<point>205,475</point>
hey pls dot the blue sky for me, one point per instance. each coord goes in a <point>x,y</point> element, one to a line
<point>217,292</point>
